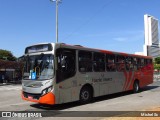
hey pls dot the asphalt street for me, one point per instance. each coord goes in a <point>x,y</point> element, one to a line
<point>147,98</point>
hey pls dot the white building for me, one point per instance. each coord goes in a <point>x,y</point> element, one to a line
<point>151,44</point>
<point>151,30</point>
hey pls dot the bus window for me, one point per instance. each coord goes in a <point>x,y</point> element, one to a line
<point>149,61</point>
<point>149,64</point>
<point>65,64</point>
<point>142,62</point>
<point>41,66</point>
<point>129,63</point>
<point>135,62</point>
<point>110,63</point>
<point>85,61</point>
<point>120,63</point>
<point>139,64</point>
<point>99,64</point>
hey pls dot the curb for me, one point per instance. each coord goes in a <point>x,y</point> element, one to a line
<point>5,84</point>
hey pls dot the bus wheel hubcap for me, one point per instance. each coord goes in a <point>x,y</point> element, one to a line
<point>85,95</point>
<point>136,87</point>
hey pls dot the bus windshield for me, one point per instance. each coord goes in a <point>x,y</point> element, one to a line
<point>39,67</point>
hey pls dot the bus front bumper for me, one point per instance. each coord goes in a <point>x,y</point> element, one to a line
<point>48,98</point>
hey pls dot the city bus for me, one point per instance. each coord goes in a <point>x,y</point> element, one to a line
<point>56,73</point>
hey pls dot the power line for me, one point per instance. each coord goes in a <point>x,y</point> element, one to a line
<point>89,19</point>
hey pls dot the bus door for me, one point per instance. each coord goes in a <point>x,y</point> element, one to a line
<point>65,73</point>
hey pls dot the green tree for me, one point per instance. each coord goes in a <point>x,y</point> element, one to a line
<point>157,63</point>
<point>157,60</point>
<point>7,55</point>
<point>157,66</point>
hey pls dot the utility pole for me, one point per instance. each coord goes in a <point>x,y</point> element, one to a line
<point>57,2</point>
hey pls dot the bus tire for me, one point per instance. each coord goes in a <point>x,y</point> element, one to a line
<point>86,95</point>
<point>136,87</point>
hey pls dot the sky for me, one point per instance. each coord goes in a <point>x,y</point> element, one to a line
<point>116,25</point>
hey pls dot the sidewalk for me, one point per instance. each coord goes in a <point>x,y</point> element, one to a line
<point>10,83</point>
<point>156,77</point>
<point>2,84</point>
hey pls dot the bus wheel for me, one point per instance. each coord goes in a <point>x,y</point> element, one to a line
<point>135,87</point>
<point>85,95</point>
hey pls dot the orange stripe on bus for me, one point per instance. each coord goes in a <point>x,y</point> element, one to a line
<point>123,54</point>
<point>126,79</point>
<point>24,98</point>
<point>129,80</point>
<point>49,98</point>
<point>107,52</point>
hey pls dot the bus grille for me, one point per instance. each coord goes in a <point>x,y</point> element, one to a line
<point>34,96</point>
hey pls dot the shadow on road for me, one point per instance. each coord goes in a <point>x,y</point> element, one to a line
<point>97,99</point>
<point>56,107</point>
<point>147,88</point>
<point>121,94</point>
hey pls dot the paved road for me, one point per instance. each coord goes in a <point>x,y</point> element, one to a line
<point>149,97</point>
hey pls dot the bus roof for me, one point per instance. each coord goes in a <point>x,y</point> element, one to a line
<point>100,50</point>
<point>79,47</point>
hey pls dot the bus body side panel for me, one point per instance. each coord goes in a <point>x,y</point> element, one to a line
<point>66,90</point>
<point>112,82</point>
<point>147,75</point>
<point>129,80</point>
<point>103,83</point>
<point>143,75</point>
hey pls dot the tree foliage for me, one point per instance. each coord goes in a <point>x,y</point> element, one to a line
<point>157,63</point>
<point>157,66</point>
<point>157,60</point>
<point>7,55</point>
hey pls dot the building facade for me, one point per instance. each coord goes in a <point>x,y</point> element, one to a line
<point>10,71</point>
<point>151,45</point>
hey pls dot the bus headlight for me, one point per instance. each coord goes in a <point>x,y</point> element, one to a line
<point>45,91</point>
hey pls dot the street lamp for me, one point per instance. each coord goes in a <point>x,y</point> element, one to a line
<point>57,2</point>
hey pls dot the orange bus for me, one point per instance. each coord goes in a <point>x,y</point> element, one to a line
<point>56,73</point>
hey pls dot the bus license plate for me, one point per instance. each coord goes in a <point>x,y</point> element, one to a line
<point>30,97</point>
